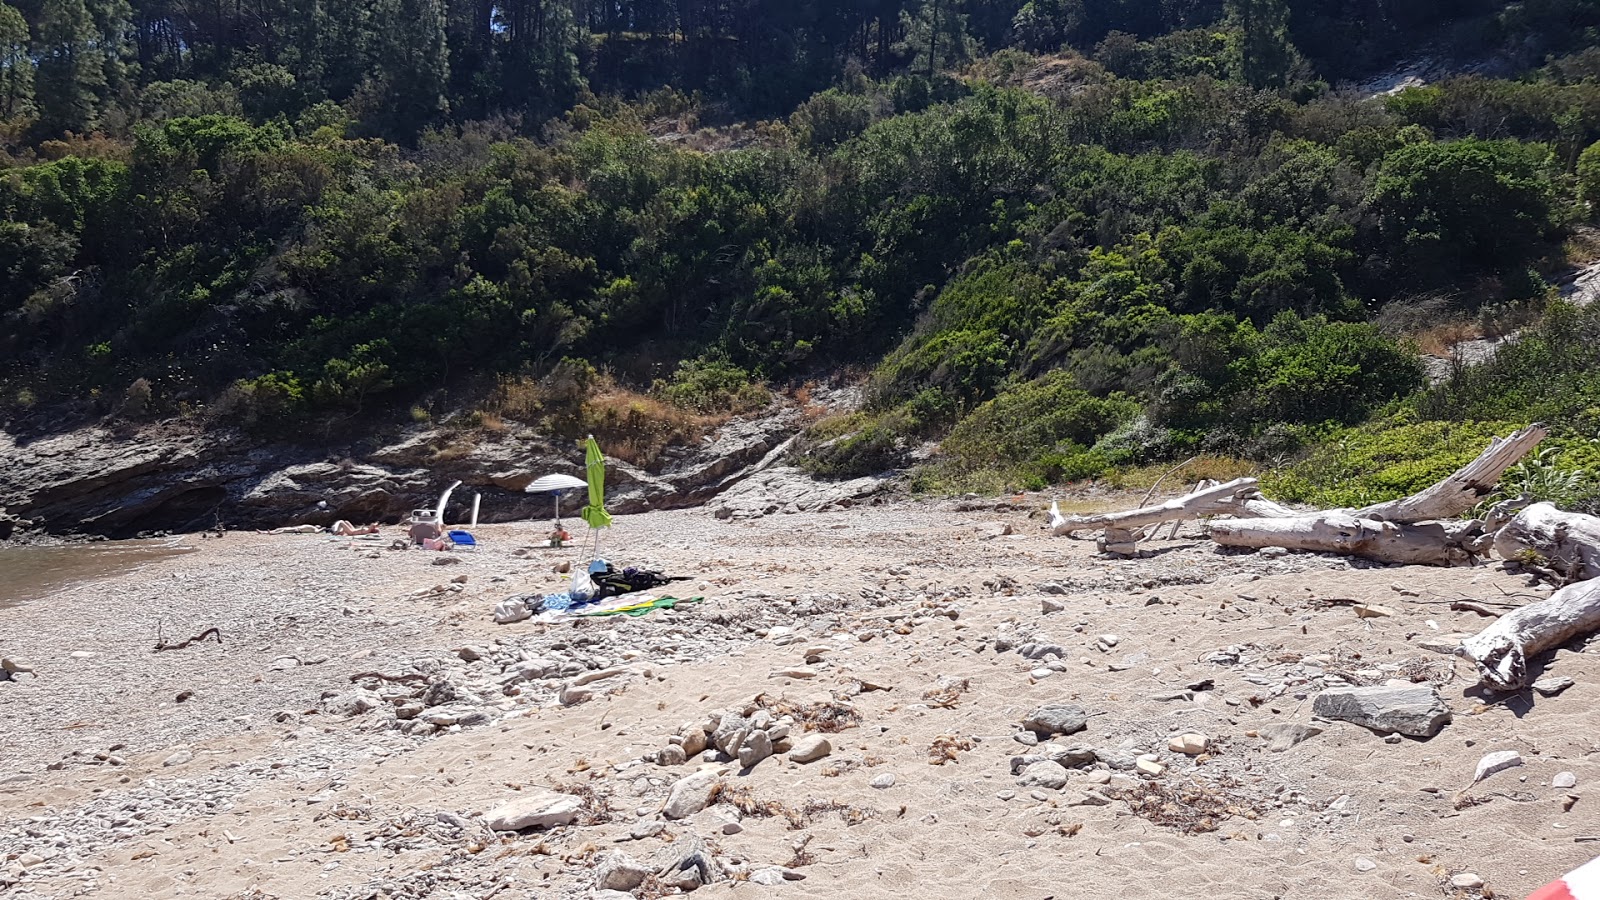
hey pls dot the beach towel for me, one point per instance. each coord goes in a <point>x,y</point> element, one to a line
<point>647,606</point>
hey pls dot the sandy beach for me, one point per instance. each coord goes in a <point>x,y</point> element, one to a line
<point>914,637</point>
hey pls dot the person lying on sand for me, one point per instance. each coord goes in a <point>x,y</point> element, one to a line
<point>341,528</point>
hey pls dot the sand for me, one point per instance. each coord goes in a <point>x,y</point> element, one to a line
<point>270,793</point>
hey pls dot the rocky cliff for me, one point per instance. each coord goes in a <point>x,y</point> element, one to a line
<point>166,477</point>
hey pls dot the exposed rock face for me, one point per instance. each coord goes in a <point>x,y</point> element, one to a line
<point>170,477</point>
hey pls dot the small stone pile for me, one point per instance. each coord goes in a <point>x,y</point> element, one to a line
<point>749,736</point>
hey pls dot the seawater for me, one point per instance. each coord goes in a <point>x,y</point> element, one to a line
<point>31,573</point>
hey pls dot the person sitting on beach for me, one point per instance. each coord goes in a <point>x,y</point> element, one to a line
<point>343,528</point>
<point>422,532</point>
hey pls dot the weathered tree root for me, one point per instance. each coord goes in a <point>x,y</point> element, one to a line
<point>1565,544</point>
<point>209,632</point>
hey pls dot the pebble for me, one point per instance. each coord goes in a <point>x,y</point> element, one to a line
<point>1466,881</point>
<point>1564,780</point>
<point>1550,687</point>
<point>883,781</point>
<point>1149,767</point>
<point>1006,795</point>
<point>1365,865</point>
<point>1498,761</point>
<point>178,758</point>
<point>1191,743</point>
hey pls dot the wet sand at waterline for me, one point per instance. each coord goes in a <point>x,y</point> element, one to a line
<point>272,779</point>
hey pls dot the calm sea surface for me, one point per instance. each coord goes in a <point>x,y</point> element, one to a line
<point>28,573</point>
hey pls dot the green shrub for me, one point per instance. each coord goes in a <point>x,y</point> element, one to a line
<point>1381,460</point>
<point>1045,424</point>
<point>712,386</point>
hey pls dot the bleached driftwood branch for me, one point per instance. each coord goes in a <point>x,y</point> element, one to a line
<point>1502,650</point>
<point>1239,496</point>
<point>1465,487</point>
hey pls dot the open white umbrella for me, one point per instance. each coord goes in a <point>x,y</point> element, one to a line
<point>555,484</point>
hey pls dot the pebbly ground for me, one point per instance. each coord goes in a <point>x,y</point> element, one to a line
<point>914,637</point>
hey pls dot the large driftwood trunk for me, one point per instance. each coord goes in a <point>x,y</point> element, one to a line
<point>1502,650</point>
<point>1566,543</point>
<point>1427,543</point>
<point>1465,487</point>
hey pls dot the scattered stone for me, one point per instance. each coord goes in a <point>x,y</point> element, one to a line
<point>1415,710</point>
<point>671,755</point>
<point>535,809</point>
<point>1371,611</point>
<point>1283,735</point>
<point>1026,738</point>
<point>1048,606</point>
<point>1053,587</point>
<point>883,782</point>
<point>1466,881</point>
<point>810,748</point>
<point>1550,687</point>
<point>691,794</point>
<point>1496,762</point>
<point>1564,780</point>
<point>798,672</point>
<point>1191,744</point>
<point>471,654</point>
<point>1149,767</point>
<point>1045,774</point>
<point>1064,719</point>
<point>178,758</point>
<point>757,747</point>
<point>731,828</point>
<point>618,871</point>
<point>1365,865</point>
<point>1117,758</point>
<point>771,876</point>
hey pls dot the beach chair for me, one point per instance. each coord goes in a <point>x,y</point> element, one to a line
<point>463,540</point>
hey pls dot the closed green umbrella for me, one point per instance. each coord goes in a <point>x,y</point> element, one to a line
<point>595,467</point>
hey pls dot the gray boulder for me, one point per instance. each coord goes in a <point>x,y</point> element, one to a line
<point>1065,719</point>
<point>1414,710</point>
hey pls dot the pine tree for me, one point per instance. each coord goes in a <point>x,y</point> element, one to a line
<point>936,37</point>
<point>16,65</point>
<point>70,78</point>
<point>1265,56</point>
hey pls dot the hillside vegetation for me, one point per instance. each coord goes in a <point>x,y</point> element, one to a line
<point>1075,237</point>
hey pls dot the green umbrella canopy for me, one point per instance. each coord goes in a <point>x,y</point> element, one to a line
<point>595,467</point>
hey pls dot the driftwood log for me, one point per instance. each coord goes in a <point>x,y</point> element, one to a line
<point>1421,528</point>
<point>1565,544</point>
<point>1424,543</point>
<point>1502,650</point>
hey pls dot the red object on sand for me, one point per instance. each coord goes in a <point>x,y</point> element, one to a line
<point>1582,883</point>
